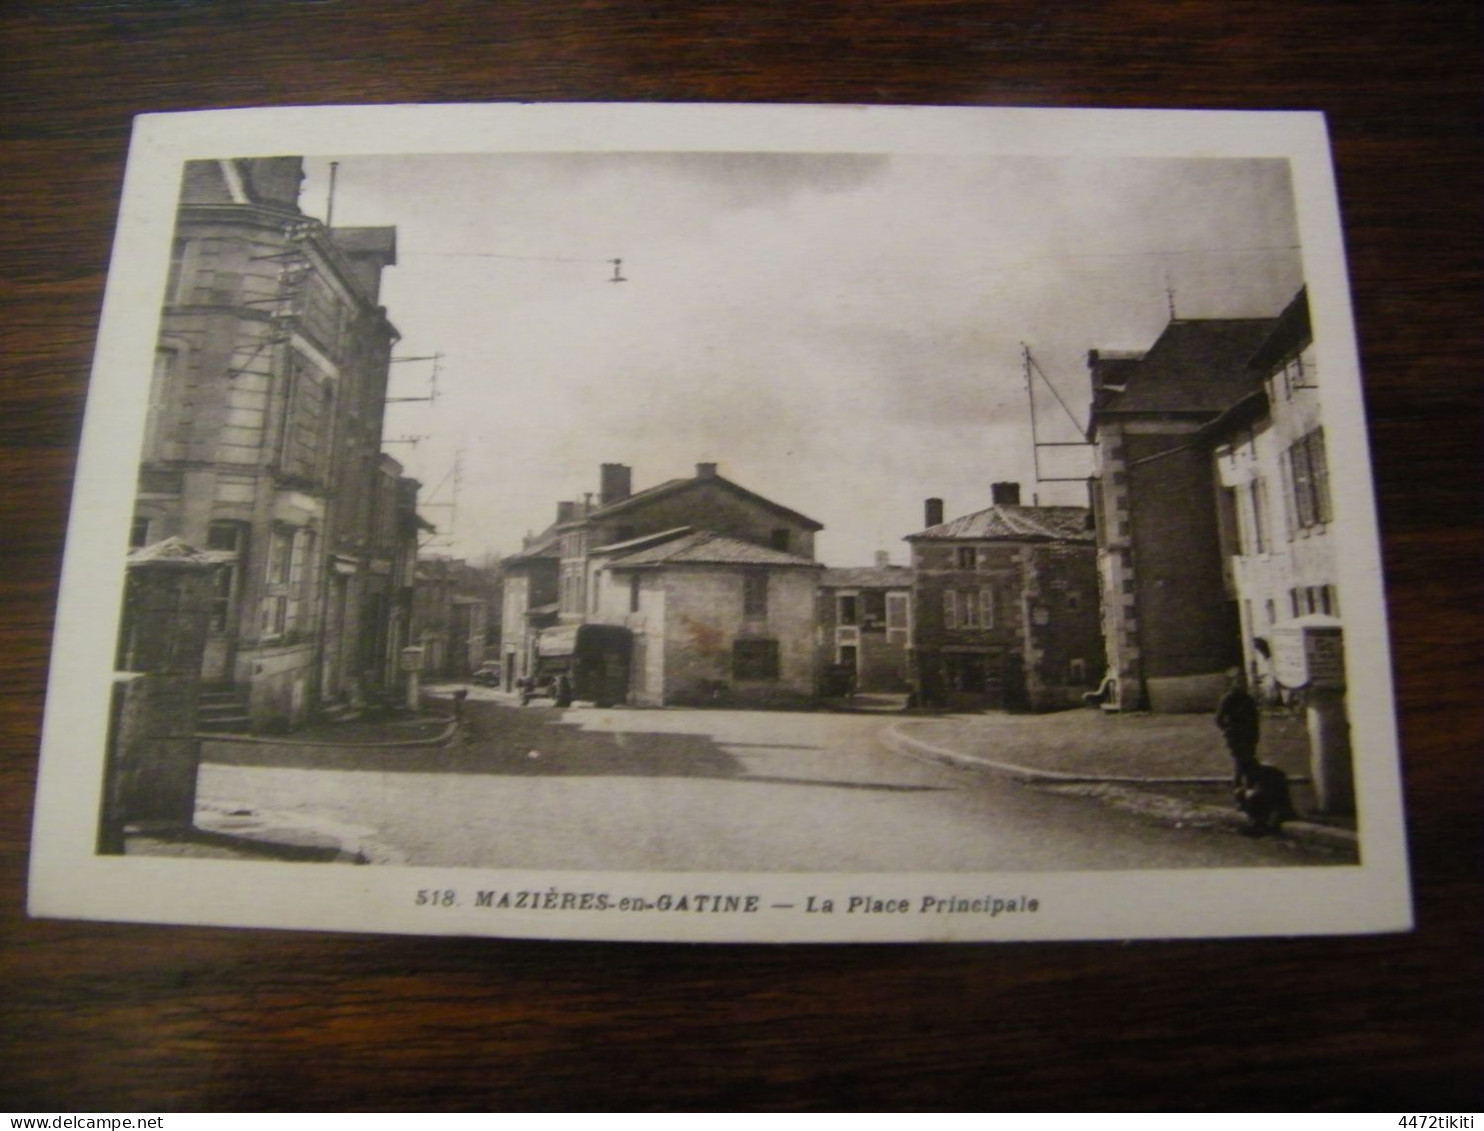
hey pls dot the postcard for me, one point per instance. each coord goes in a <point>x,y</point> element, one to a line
<point>725,523</point>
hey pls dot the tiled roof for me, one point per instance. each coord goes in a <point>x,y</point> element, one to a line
<point>704,548</point>
<point>867,577</point>
<point>642,542</point>
<point>1197,365</point>
<point>1014,524</point>
<point>676,486</point>
<point>545,545</point>
<point>1291,332</point>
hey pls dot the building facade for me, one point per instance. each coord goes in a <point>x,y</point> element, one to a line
<point>1276,516</point>
<point>715,620</point>
<point>528,604</point>
<point>451,617</point>
<point>1170,621</point>
<point>716,583</point>
<point>1005,606</point>
<point>865,628</point>
<point>263,443</point>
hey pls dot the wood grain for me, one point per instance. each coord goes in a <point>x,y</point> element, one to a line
<point>98,1016</point>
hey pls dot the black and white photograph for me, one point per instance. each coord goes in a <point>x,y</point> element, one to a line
<point>725,524</point>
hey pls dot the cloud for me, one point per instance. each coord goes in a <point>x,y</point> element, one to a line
<point>840,332</point>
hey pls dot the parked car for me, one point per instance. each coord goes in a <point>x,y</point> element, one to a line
<point>487,674</point>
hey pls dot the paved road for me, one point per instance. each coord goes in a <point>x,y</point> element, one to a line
<point>688,790</point>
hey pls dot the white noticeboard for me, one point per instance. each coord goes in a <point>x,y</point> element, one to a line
<point>1309,653</point>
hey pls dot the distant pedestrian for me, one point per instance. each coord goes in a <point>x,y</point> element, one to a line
<point>1261,792</point>
<point>1238,719</point>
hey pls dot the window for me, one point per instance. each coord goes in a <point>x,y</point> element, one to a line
<point>1298,372</point>
<point>968,557</point>
<point>224,586</point>
<point>226,541</point>
<point>950,609</point>
<point>1258,493</point>
<point>754,595</point>
<point>754,659</point>
<point>1076,671</point>
<point>1321,599</point>
<point>975,608</point>
<point>225,536</point>
<point>896,611</point>
<point>1308,480</point>
<point>305,450</point>
<point>278,555</point>
<point>779,540</point>
<point>969,608</point>
<point>848,609</point>
<point>633,592</point>
<point>138,533</point>
<point>289,552</point>
<point>873,607</point>
<point>298,559</point>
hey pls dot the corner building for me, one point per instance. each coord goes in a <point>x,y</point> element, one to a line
<point>1005,606</point>
<point>263,445</point>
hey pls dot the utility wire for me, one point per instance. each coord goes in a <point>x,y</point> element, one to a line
<point>496,255</point>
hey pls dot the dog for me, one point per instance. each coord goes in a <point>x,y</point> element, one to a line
<point>1262,794</point>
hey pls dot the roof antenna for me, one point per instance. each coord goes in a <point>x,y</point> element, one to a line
<point>618,276</point>
<point>1169,294</point>
<point>330,201</point>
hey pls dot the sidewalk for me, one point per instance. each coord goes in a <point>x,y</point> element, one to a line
<point>233,831</point>
<point>1172,767</point>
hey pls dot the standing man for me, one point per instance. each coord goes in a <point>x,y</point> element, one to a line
<point>1237,717</point>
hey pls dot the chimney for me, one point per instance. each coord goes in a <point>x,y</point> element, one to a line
<point>705,471</point>
<point>933,512</point>
<point>882,560</point>
<point>566,511</point>
<point>616,484</point>
<point>1004,494</point>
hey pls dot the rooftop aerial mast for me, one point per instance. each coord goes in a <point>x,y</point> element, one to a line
<point>1032,371</point>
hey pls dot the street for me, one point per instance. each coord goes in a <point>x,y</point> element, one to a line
<point>698,790</point>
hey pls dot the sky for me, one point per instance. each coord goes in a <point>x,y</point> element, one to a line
<point>840,333</point>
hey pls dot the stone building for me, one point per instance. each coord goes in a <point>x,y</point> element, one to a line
<point>1005,606</point>
<point>1170,618</point>
<point>716,582</point>
<point>865,626</point>
<point>450,616</point>
<point>529,604</point>
<point>715,619</point>
<point>263,442</point>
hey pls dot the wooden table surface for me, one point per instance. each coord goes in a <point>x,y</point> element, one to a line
<point>113,1017</point>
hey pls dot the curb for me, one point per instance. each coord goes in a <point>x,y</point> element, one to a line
<point>1326,835</point>
<point>441,738</point>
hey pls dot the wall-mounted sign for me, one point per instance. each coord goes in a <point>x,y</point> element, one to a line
<point>1309,653</point>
